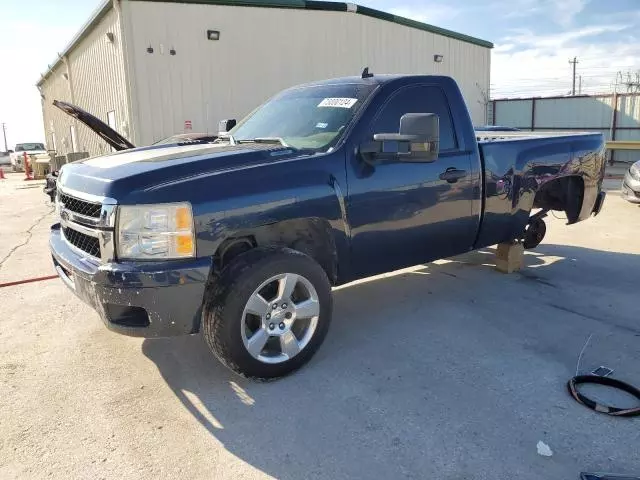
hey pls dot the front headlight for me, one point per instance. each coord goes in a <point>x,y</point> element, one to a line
<point>162,231</point>
<point>635,171</point>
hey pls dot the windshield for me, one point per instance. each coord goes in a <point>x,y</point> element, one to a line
<point>306,117</point>
<point>27,147</point>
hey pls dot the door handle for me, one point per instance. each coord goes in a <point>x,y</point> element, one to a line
<point>452,174</point>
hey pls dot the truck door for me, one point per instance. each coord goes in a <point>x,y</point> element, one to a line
<point>403,214</point>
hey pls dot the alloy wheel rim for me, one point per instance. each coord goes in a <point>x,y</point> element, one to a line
<point>280,318</point>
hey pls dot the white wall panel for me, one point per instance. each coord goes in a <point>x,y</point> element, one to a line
<point>589,113</point>
<point>263,50</point>
<point>629,111</point>
<point>56,122</point>
<point>99,82</point>
<point>513,113</point>
<point>578,112</point>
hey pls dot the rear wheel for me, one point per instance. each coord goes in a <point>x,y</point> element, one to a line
<point>535,233</point>
<point>268,313</point>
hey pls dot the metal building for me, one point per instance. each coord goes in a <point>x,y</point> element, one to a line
<point>152,68</point>
<point>616,115</point>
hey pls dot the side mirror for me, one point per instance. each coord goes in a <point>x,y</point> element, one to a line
<point>418,140</point>
<point>226,125</point>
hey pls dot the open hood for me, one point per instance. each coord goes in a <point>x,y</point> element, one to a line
<point>108,134</point>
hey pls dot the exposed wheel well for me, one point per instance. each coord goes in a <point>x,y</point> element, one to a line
<point>311,236</point>
<point>563,194</point>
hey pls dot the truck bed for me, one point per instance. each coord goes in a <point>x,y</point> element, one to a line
<point>518,164</point>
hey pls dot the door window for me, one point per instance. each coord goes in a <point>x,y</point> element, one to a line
<point>417,99</point>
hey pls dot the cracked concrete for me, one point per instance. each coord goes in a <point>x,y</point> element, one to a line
<point>446,371</point>
<point>29,235</point>
<point>26,215</point>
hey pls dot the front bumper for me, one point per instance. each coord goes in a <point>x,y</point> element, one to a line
<point>631,188</point>
<point>141,299</point>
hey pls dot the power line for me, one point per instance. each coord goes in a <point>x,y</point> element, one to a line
<point>556,79</point>
<point>590,83</point>
<point>631,80</point>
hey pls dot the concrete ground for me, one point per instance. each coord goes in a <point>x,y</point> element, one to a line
<point>448,371</point>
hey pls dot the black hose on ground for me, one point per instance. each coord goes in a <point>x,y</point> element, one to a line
<point>572,385</point>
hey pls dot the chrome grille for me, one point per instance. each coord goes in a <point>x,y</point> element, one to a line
<point>81,207</point>
<point>89,245</point>
<point>88,222</point>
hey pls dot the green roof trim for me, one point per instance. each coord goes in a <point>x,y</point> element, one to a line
<point>338,7</point>
<point>407,22</point>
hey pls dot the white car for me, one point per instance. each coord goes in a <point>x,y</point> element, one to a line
<point>17,157</point>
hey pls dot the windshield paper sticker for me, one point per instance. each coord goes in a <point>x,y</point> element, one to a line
<point>338,102</point>
<point>322,125</point>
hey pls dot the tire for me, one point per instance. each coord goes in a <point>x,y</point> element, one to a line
<point>534,234</point>
<point>228,320</point>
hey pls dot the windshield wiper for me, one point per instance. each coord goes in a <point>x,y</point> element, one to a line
<point>271,140</point>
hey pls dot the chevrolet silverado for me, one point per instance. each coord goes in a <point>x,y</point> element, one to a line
<point>242,239</point>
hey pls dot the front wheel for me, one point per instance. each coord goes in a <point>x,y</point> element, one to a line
<point>268,313</point>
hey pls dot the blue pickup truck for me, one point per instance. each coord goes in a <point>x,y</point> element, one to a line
<point>242,238</point>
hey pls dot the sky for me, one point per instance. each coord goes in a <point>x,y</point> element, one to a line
<point>534,40</point>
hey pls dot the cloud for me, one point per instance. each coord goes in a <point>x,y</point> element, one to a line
<point>563,12</point>
<point>567,10</point>
<point>530,71</point>
<point>528,38</point>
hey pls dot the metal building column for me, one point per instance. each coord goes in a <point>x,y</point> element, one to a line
<point>614,124</point>
<point>533,114</point>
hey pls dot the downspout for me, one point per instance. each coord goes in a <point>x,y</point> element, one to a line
<point>65,61</point>
<point>74,122</point>
<point>129,84</point>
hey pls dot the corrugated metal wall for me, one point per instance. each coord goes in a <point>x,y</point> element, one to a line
<point>263,50</point>
<point>588,113</point>
<point>57,124</point>
<point>96,83</point>
<point>99,82</point>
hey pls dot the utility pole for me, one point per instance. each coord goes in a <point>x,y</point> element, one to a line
<point>485,103</point>
<point>4,134</point>
<point>574,62</point>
